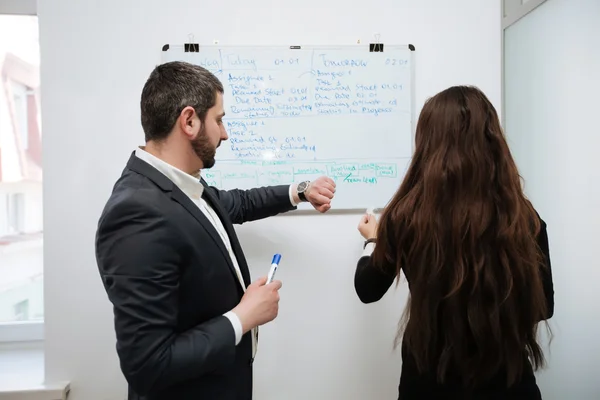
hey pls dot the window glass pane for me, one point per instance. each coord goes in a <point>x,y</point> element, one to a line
<point>19,97</point>
<point>21,219</point>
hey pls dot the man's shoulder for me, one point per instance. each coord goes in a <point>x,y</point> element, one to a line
<point>133,194</point>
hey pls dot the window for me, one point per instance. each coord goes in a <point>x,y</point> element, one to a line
<point>20,101</point>
<point>21,213</point>
<point>22,310</point>
<point>16,213</point>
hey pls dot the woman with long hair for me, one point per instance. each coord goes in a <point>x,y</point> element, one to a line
<point>474,252</point>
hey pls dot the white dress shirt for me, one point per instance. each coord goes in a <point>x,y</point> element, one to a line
<point>191,187</point>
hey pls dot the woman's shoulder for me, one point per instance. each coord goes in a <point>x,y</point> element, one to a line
<point>539,217</point>
<point>541,233</point>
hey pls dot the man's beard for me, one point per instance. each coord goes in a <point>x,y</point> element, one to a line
<point>204,150</point>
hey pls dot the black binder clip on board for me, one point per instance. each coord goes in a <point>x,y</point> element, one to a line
<point>376,47</point>
<point>189,47</point>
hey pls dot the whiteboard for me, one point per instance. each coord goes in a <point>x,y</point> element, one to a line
<point>294,113</point>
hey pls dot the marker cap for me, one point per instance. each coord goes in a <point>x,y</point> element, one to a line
<point>276,259</point>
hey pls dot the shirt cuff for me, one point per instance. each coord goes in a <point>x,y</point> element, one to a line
<point>368,250</point>
<point>292,196</point>
<point>237,325</point>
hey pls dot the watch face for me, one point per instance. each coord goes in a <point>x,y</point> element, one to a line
<point>302,186</point>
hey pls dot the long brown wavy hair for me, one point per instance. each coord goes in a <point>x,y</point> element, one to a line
<point>464,234</point>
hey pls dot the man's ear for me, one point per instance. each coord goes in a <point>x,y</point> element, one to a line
<point>187,121</point>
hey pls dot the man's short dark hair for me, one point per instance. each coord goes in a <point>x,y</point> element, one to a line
<point>170,88</point>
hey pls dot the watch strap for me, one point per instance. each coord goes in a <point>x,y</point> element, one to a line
<point>301,196</point>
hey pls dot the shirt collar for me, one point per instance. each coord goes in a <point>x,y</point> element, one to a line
<point>189,184</point>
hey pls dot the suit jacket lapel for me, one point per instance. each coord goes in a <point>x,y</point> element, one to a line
<point>182,199</point>
<point>177,195</point>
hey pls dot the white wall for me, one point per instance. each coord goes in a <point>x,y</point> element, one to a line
<point>552,83</point>
<point>96,57</point>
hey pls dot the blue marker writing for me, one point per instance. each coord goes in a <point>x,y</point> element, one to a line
<point>274,265</point>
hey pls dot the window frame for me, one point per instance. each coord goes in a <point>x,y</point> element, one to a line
<point>18,7</point>
<point>20,331</point>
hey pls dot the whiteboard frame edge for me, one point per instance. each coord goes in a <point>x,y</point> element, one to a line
<point>180,47</point>
<point>332,211</point>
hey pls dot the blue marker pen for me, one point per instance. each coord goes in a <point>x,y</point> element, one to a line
<point>274,265</point>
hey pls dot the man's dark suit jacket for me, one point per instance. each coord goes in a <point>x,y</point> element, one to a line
<point>170,279</point>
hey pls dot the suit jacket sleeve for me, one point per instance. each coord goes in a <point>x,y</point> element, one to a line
<point>253,204</point>
<point>139,262</point>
